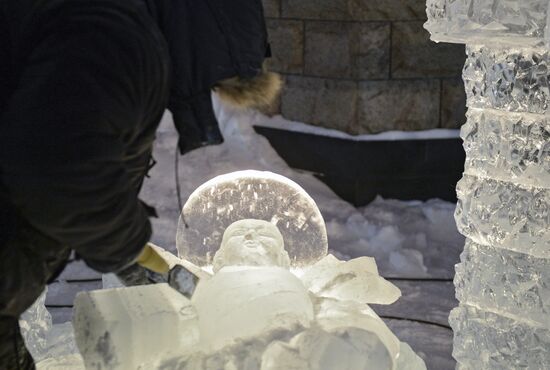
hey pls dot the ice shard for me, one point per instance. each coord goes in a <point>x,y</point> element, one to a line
<point>503,279</point>
<point>355,280</point>
<point>35,323</point>
<point>131,328</point>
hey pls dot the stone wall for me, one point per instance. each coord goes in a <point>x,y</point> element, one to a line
<point>364,66</point>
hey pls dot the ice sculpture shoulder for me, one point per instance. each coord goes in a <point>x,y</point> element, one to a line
<point>251,195</point>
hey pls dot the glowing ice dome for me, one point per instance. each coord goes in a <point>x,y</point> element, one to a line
<point>251,195</point>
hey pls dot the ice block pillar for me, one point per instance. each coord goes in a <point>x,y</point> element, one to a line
<point>503,280</point>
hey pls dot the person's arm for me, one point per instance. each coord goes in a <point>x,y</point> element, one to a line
<point>62,142</point>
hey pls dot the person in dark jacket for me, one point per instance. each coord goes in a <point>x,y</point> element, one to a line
<point>84,84</point>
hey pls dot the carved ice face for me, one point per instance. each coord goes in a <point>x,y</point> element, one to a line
<point>251,243</point>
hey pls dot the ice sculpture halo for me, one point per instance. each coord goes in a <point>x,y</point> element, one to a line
<point>250,194</point>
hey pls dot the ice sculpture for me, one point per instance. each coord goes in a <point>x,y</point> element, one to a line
<point>262,317</point>
<point>262,241</point>
<point>254,312</point>
<point>251,195</point>
<point>131,328</point>
<point>503,280</point>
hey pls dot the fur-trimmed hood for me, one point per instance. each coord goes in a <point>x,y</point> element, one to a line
<point>213,44</point>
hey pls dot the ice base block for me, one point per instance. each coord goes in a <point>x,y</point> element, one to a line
<point>133,328</point>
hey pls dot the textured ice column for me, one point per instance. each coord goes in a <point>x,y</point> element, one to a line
<point>131,328</point>
<point>519,22</point>
<point>503,280</point>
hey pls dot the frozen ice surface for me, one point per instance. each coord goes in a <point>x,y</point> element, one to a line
<point>493,212</point>
<point>508,146</point>
<point>508,79</point>
<point>35,324</point>
<point>131,327</point>
<point>251,194</point>
<point>251,243</point>
<point>243,302</point>
<point>355,280</point>
<point>504,281</point>
<point>519,22</point>
<point>315,349</point>
<point>485,340</point>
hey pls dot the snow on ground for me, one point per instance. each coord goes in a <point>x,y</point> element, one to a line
<point>282,123</point>
<point>408,239</point>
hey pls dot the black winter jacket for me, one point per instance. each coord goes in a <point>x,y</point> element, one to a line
<point>83,86</point>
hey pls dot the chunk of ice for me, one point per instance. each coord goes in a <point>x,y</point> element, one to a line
<point>316,349</point>
<point>355,280</point>
<point>239,303</point>
<point>35,324</point>
<point>131,327</point>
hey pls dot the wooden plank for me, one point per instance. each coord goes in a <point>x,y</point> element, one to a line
<point>60,315</point>
<point>62,293</point>
<point>429,301</point>
<point>77,270</point>
<point>433,343</point>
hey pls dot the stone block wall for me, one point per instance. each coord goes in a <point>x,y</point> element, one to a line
<point>364,66</point>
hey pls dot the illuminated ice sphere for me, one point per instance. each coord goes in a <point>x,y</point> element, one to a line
<point>251,195</point>
<point>133,328</point>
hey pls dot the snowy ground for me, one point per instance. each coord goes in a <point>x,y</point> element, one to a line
<point>416,244</point>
